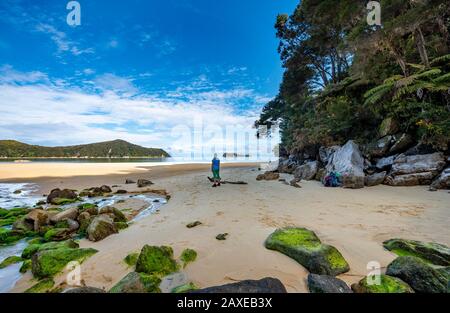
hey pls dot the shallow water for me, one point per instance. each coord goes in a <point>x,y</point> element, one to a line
<point>10,275</point>
<point>9,200</point>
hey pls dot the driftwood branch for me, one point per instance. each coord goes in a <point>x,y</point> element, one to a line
<point>229,182</point>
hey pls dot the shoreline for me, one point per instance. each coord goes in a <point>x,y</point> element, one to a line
<point>356,222</point>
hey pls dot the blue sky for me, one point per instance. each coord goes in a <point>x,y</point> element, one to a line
<point>152,72</point>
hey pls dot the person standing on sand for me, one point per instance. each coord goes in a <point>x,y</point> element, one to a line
<point>215,167</point>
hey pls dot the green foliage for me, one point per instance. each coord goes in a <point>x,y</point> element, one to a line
<point>116,148</point>
<point>343,77</point>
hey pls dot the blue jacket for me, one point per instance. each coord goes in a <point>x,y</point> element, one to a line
<point>216,164</point>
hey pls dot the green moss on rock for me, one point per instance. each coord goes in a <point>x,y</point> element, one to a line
<point>26,266</point>
<point>387,284</point>
<point>156,261</point>
<point>137,283</point>
<point>10,261</point>
<point>31,249</point>
<point>64,201</point>
<point>431,252</point>
<point>185,288</point>
<point>8,237</point>
<point>50,262</point>
<point>57,234</point>
<point>121,225</point>
<point>188,256</point>
<point>44,286</point>
<point>131,259</point>
<point>305,247</point>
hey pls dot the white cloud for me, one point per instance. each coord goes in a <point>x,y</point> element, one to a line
<point>54,115</point>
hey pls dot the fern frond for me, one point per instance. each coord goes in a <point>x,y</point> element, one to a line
<point>441,59</point>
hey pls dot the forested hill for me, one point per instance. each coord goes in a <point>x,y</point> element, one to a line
<point>343,78</point>
<point>113,149</point>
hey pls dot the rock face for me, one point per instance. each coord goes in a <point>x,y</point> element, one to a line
<point>415,169</point>
<point>381,146</point>
<point>375,179</point>
<point>432,252</point>
<point>268,176</point>
<point>101,227</point>
<point>115,213</point>
<point>137,283</point>
<point>387,284</point>
<point>306,171</point>
<point>305,247</point>
<point>385,164</point>
<point>419,275</point>
<point>265,285</point>
<point>326,284</point>
<point>71,213</point>
<point>443,180</point>
<point>156,261</point>
<point>56,194</point>
<point>402,142</point>
<point>389,126</point>
<point>349,162</point>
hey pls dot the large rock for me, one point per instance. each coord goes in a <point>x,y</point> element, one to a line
<point>48,263</point>
<point>402,142</point>
<point>268,176</point>
<point>443,180</point>
<point>56,195</point>
<point>348,162</point>
<point>305,247</point>
<point>325,153</point>
<point>432,252</point>
<point>156,261</point>
<point>306,171</point>
<point>419,275</point>
<point>137,283</point>
<point>385,164</point>
<point>381,146</point>
<point>71,213</point>
<point>410,179</point>
<point>265,285</point>
<point>375,179</point>
<point>58,234</point>
<point>287,166</point>
<point>101,227</point>
<point>32,249</point>
<point>387,284</point>
<point>115,213</point>
<point>326,284</point>
<point>426,163</point>
<point>38,217</point>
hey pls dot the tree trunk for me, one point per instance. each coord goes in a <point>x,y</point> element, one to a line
<point>420,42</point>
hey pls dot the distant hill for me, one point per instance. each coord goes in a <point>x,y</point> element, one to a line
<point>111,149</point>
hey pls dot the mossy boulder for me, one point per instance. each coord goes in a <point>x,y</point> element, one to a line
<point>101,227</point>
<point>26,266</point>
<point>57,234</point>
<point>185,288</point>
<point>387,284</point>
<point>131,259</point>
<point>156,261</point>
<point>422,277</point>
<point>23,225</point>
<point>31,249</point>
<point>115,213</point>
<point>10,261</point>
<point>44,286</point>
<point>431,252</point>
<point>10,236</point>
<point>59,197</point>
<point>90,208</point>
<point>305,247</point>
<point>48,263</point>
<point>137,283</point>
<point>188,256</point>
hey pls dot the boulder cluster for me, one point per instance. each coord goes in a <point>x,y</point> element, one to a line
<point>391,160</point>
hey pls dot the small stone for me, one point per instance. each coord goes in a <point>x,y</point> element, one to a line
<point>222,237</point>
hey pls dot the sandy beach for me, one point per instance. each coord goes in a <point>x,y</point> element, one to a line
<point>356,222</point>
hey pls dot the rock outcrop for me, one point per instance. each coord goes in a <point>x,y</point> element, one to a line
<point>431,252</point>
<point>101,227</point>
<point>387,284</point>
<point>306,171</point>
<point>265,285</point>
<point>326,284</point>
